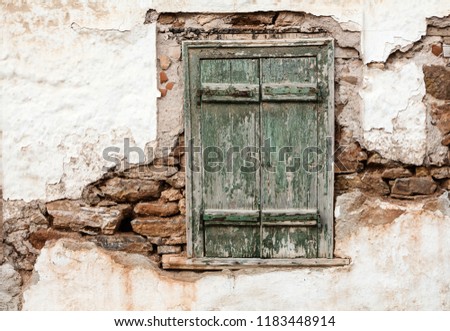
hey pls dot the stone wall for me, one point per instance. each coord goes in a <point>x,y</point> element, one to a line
<point>392,211</point>
<point>141,209</point>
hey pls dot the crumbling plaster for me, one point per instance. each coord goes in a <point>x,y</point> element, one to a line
<point>394,117</point>
<point>386,25</point>
<point>76,78</point>
<point>395,265</point>
<point>81,76</point>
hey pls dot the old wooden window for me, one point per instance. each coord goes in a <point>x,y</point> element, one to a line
<point>259,122</point>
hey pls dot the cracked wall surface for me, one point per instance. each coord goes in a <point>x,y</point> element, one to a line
<point>82,76</point>
<point>386,25</point>
<point>389,259</point>
<point>77,78</point>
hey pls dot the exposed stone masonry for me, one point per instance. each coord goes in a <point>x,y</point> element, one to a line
<point>142,209</point>
<point>136,210</point>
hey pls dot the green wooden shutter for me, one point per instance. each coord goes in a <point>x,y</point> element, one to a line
<point>289,190</point>
<point>230,122</point>
<point>243,97</point>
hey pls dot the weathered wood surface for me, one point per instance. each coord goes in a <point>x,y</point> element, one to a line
<point>226,112</point>
<point>184,263</point>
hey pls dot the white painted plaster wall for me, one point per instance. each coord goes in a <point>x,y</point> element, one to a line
<point>392,24</point>
<point>76,78</point>
<point>394,117</point>
<point>395,266</point>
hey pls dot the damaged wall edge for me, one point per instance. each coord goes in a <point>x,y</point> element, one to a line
<point>410,198</point>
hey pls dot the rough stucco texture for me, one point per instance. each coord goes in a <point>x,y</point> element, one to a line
<point>76,79</point>
<point>386,25</point>
<point>394,266</point>
<point>391,25</point>
<point>394,115</point>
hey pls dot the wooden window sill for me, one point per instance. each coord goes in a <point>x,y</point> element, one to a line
<point>183,263</point>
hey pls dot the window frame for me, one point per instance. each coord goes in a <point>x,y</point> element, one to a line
<point>192,53</point>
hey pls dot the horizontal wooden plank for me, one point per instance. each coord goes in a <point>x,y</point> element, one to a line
<point>290,222</point>
<point>232,222</point>
<point>289,212</point>
<point>255,52</point>
<point>213,92</point>
<point>230,216</point>
<point>184,263</point>
<point>290,92</point>
<point>236,212</point>
<point>256,43</point>
<point>299,217</point>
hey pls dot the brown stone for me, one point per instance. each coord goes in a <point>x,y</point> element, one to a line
<point>446,184</point>
<point>151,172</point>
<point>396,173</point>
<point>163,91</point>
<point>437,81</point>
<point>436,49</point>
<point>182,206</point>
<point>170,85</point>
<point>164,62</point>
<point>440,114</point>
<point>440,173</point>
<point>155,258</point>
<point>255,19</point>
<point>289,19</point>
<point>348,158</point>
<point>445,141</point>
<point>377,160</point>
<point>377,65</point>
<point>179,23</point>
<point>205,19</point>
<point>350,79</point>
<point>169,249</point>
<point>422,172</point>
<point>168,241</point>
<point>41,236</point>
<point>374,215</point>
<point>369,181</point>
<point>166,18</point>
<point>171,194</point>
<point>157,208</point>
<point>163,77</point>
<point>173,227</point>
<point>71,214</point>
<point>167,161</point>
<point>130,190</point>
<point>183,161</point>
<point>92,195</point>
<point>413,186</point>
<point>178,180</point>
<point>127,242</point>
<point>438,31</point>
<point>443,122</point>
<point>106,203</point>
